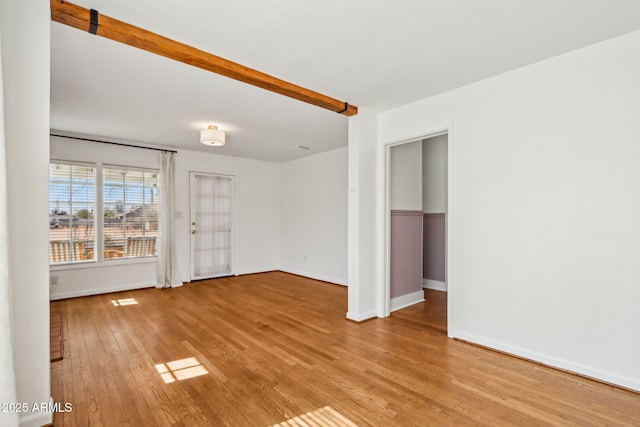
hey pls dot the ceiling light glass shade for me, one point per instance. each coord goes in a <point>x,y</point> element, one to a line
<point>212,136</point>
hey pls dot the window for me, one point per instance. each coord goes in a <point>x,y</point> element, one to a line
<point>71,213</point>
<point>101,213</point>
<point>130,212</point>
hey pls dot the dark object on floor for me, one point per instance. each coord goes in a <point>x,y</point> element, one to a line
<point>55,341</point>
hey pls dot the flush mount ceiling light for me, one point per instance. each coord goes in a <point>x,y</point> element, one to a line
<point>212,136</point>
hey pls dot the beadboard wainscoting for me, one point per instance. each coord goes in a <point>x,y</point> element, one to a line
<point>406,257</point>
<point>434,251</point>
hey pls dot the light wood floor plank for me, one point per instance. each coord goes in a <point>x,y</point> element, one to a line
<point>275,349</point>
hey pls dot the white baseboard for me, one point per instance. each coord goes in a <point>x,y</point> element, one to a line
<point>406,300</point>
<point>88,292</point>
<point>322,277</point>
<point>360,317</point>
<point>436,285</point>
<point>554,362</point>
<point>258,271</point>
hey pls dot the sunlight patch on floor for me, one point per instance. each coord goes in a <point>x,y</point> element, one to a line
<point>124,301</point>
<point>179,370</point>
<point>323,417</point>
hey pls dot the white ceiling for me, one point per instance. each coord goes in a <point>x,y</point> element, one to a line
<point>374,54</point>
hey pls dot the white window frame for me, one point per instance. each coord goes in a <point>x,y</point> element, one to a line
<point>99,260</point>
<point>95,204</point>
<point>126,168</point>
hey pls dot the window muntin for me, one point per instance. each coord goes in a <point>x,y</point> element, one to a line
<point>71,213</point>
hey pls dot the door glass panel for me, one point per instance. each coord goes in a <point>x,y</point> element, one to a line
<point>213,220</point>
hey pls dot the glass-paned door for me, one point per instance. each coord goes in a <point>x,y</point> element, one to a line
<point>212,230</point>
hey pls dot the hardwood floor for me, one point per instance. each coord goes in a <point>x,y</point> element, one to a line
<point>275,349</point>
<point>431,313</point>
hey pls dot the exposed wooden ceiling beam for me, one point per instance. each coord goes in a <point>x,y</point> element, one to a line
<point>80,18</point>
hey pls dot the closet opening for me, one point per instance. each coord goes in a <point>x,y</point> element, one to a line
<point>417,222</point>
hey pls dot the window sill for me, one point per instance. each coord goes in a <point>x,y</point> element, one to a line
<point>105,263</point>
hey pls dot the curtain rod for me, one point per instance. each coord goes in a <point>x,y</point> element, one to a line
<point>113,143</point>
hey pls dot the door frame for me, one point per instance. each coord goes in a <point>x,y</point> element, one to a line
<point>384,291</point>
<point>234,222</point>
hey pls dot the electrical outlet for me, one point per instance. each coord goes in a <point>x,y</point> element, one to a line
<point>53,280</point>
<point>304,258</point>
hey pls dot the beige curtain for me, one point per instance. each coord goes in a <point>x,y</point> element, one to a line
<point>7,376</point>
<point>167,268</point>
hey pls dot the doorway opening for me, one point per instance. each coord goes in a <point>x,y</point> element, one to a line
<point>417,209</point>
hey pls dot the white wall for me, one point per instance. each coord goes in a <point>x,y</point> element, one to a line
<point>405,181</point>
<point>257,213</point>
<point>24,26</point>
<point>547,207</point>
<point>434,174</point>
<point>313,216</point>
<point>111,275</point>
<point>363,270</point>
